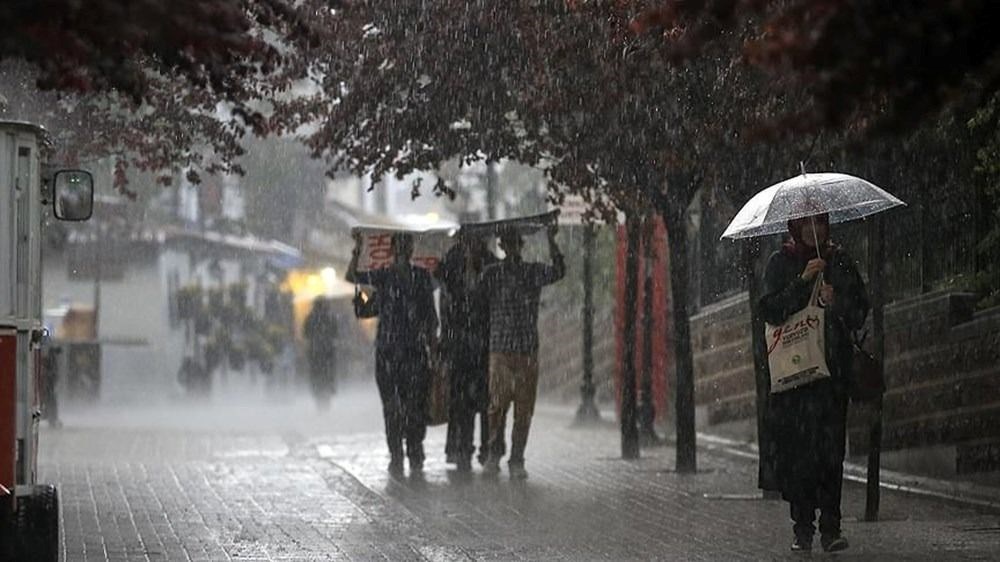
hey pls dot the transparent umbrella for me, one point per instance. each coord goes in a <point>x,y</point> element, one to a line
<point>843,196</point>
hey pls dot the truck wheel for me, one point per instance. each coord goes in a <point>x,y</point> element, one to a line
<point>8,533</point>
<point>38,525</point>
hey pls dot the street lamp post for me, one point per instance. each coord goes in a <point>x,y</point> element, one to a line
<point>877,288</point>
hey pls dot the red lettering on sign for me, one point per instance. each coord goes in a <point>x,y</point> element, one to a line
<point>775,338</point>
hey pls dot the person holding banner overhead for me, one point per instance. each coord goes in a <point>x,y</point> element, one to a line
<point>466,341</point>
<point>514,287</point>
<point>814,297</point>
<point>406,331</point>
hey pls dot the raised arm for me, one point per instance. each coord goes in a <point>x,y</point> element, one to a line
<point>549,274</point>
<point>352,268</point>
<point>371,277</point>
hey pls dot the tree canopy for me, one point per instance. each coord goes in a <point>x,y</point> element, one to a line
<point>882,65</point>
<point>161,85</point>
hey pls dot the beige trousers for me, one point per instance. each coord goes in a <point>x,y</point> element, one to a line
<point>513,379</point>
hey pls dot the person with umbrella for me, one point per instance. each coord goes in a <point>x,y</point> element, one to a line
<point>808,422</point>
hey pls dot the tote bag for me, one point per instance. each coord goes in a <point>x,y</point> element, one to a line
<point>796,349</point>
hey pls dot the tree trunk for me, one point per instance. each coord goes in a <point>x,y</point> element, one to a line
<point>630,432</point>
<point>647,407</point>
<point>684,371</point>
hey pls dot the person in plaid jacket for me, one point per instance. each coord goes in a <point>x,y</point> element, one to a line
<point>514,287</point>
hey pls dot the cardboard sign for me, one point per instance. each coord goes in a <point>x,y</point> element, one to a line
<point>429,247</point>
<point>525,225</point>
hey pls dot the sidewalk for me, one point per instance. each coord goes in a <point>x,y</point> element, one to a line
<point>969,494</point>
<point>276,482</point>
<point>583,503</point>
<point>961,492</point>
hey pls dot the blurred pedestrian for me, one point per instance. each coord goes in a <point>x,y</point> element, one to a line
<point>50,379</point>
<point>514,288</point>
<point>406,331</point>
<point>321,332</point>
<point>808,423</point>
<point>465,339</point>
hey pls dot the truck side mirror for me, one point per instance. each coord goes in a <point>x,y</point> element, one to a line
<point>73,192</point>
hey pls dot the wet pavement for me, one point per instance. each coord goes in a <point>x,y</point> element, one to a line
<point>273,480</point>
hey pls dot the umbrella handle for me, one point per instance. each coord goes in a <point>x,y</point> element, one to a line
<point>812,219</point>
<point>814,295</point>
<point>819,278</point>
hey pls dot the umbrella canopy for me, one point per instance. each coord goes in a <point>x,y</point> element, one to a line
<point>843,196</point>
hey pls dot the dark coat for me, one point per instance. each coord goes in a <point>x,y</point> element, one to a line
<point>465,328</point>
<point>407,318</point>
<point>808,424</point>
<point>466,315</point>
<point>321,331</point>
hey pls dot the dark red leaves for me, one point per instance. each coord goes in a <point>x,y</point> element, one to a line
<point>889,63</point>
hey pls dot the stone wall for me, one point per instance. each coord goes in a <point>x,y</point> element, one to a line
<point>723,366</point>
<point>942,373</point>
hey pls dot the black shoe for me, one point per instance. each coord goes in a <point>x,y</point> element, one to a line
<point>396,467</point>
<point>464,464</point>
<point>517,471</point>
<point>834,543</point>
<point>416,465</point>
<point>802,544</point>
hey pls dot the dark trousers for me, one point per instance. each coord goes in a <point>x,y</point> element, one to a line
<point>827,501</point>
<point>402,378</point>
<point>469,396</point>
<point>322,374</point>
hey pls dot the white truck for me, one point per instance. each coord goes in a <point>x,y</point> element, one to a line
<point>29,511</point>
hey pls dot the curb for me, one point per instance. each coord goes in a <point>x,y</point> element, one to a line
<point>964,493</point>
<point>961,493</point>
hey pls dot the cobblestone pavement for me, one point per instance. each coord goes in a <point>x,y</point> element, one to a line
<point>275,481</point>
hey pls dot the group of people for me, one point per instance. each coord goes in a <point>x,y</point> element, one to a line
<point>488,340</point>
